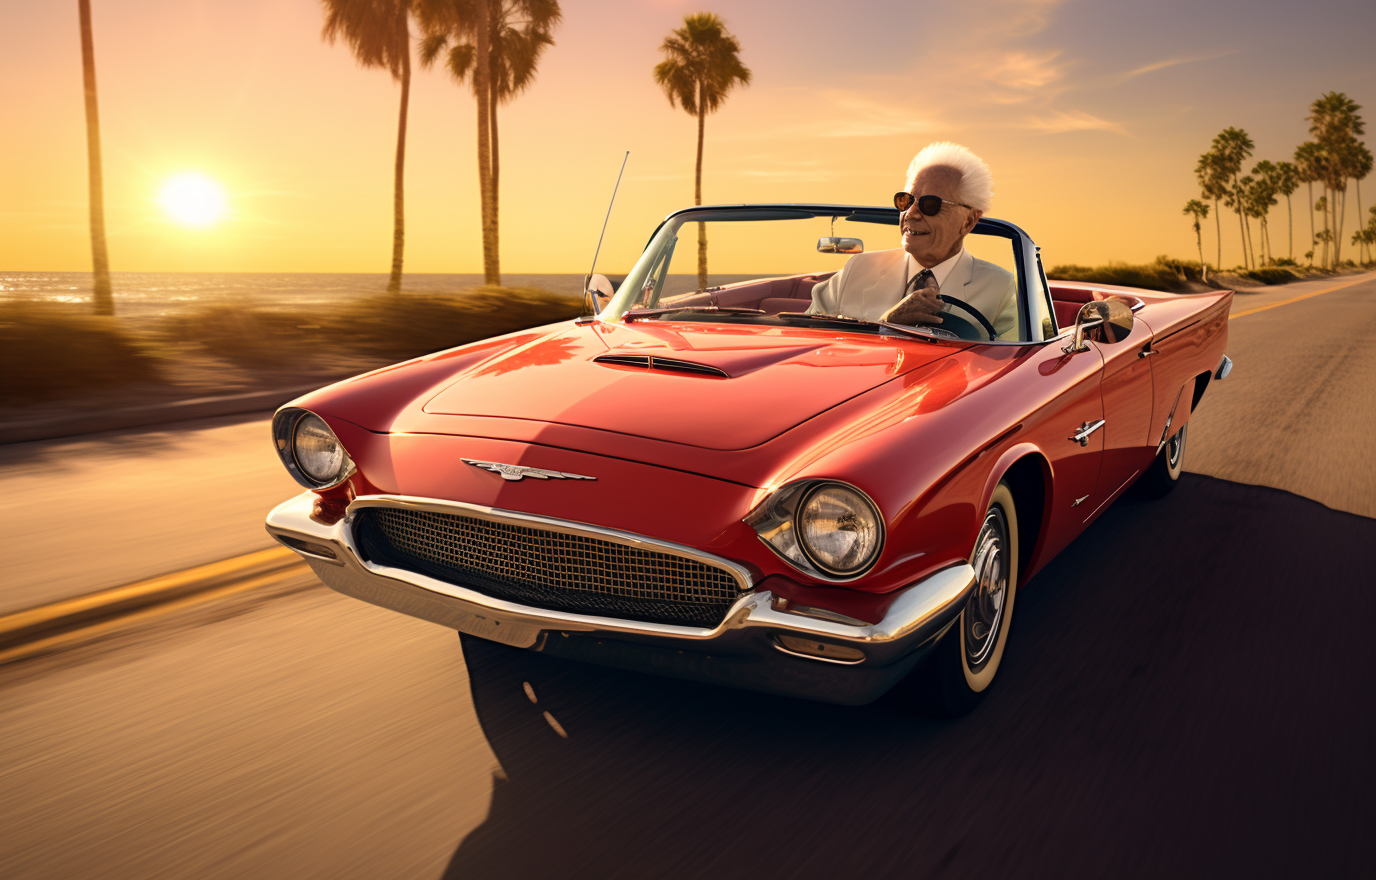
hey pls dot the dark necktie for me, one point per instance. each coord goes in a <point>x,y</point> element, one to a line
<point>919,281</point>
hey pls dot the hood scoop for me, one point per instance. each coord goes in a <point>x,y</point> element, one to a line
<point>654,362</point>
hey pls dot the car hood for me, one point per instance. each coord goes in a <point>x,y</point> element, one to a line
<point>714,386</point>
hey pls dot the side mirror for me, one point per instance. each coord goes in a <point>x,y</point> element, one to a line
<point>830,244</point>
<point>598,294</point>
<point>1113,315</point>
<point>1118,321</point>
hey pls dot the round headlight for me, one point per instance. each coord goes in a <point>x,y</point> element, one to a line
<point>318,452</point>
<point>840,529</point>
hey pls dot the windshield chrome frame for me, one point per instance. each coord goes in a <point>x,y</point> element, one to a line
<point>1034,298</point>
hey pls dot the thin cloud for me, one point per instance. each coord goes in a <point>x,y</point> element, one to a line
<point>1024,71</point>
<point>1061,121</point>
<point>858,116</point>
<point>1173,62</point>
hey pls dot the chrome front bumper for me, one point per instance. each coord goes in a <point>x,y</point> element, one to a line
<point>755,647</point>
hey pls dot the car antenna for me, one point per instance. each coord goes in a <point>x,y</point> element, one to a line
<point>587,282</point>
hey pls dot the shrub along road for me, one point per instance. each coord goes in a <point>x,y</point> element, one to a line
<point>1184,694</point>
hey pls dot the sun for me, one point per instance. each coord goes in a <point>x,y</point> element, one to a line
<point>192,199</point>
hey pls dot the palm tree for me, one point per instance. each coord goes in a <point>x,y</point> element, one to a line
<point>1323,236</point>
<point>378,32</point>
<point>701,65</point>
<point>1287,181</point>
<point>1234,146</point>
<point>1200,211</point>
<point>1336,125</point>
<point>1307,164</point>
<point>1361,167</point>
<point>472,19</point>
<point>518,33</point>
<point>1213,184</point>
<point>1263,194</point>
<point>103,295</point>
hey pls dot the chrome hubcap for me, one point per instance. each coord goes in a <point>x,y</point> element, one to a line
<point>1175,447</point>
<point>984,610</point>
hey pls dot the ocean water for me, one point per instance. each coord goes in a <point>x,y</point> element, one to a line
<point>154,294</point>
<point>151,295</point>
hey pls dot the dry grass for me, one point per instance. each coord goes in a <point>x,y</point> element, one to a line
<point>53,350</point>
<point>390,326</point>
<point>1165,274</point>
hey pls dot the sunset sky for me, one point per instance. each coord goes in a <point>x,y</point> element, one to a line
<point>1091,114</point>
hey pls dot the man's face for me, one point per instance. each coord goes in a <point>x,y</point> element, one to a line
<point>932,240</point>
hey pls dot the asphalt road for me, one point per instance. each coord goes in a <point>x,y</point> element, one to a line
<point>1185,693</point>
<point>91,512</point>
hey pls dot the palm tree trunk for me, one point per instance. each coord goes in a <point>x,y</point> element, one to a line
<point>1290,224</point>
<point>1358,184</point>
<point>1251,245</point>
<point>1218,232</point>
<point>104,299</point>
<point>496,196</point>
<point>1328,236</point>
<point>1339,210</point>
<point>1310,184</point>
<point>483,88</point>
<point>697,197</point>
<point>1266,240</point>
<point>1242,229</point>
<point>1199,243</point>
<point>399,185</point>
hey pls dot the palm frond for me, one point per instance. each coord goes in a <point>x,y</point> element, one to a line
<point>431,45</point>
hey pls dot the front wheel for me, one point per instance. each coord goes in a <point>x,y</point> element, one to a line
<point>968,657</point>
<point>1164,472</point>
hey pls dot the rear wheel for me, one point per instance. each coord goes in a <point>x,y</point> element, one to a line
<point>965,662</point>
<point>1164,471</point>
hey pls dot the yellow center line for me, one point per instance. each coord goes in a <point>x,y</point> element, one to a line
<point>90,631</point>
<point>133,592</point>
<point>1286,302</point>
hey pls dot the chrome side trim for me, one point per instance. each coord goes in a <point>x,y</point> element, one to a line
<point>562,526</point>
<point>1225,367</point>
<point>920,613</point>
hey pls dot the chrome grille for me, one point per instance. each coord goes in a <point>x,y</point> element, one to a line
<point>548,569</point>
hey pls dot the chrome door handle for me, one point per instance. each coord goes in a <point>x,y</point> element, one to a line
<point>1082,435</point>
<point>1146,352</point>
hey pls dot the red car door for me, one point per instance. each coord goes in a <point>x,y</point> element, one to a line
<point>1127,390</point>
<point>1069,431</point>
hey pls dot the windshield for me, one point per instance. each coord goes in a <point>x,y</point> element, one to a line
<point>774,265</point>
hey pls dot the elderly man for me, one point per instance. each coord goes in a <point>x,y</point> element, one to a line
<point>949,189</point>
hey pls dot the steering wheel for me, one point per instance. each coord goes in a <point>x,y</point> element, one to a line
<point>960,326</point>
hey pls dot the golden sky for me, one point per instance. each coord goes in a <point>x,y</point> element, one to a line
<point>1091,114</point>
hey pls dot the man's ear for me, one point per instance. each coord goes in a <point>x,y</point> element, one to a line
<point>971,220</point>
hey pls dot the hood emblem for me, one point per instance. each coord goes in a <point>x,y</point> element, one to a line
<point>517,472</point>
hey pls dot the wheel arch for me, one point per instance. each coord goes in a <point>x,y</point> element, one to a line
<point>1028,474</point>
<point>1201,383</point>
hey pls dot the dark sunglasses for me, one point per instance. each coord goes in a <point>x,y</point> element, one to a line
<point>929,205</point>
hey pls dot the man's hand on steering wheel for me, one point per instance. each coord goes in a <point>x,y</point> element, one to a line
<point>922,306</point>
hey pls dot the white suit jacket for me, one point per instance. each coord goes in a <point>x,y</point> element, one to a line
<point>872,283</point>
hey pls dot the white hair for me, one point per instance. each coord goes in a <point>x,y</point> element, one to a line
<point>976,187</point>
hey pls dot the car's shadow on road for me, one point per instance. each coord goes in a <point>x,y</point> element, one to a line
<point>1186,693</point>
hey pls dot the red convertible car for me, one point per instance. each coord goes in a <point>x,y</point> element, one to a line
<point>711,482</point>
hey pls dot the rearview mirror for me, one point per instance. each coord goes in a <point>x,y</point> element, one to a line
<point>830,244</point>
